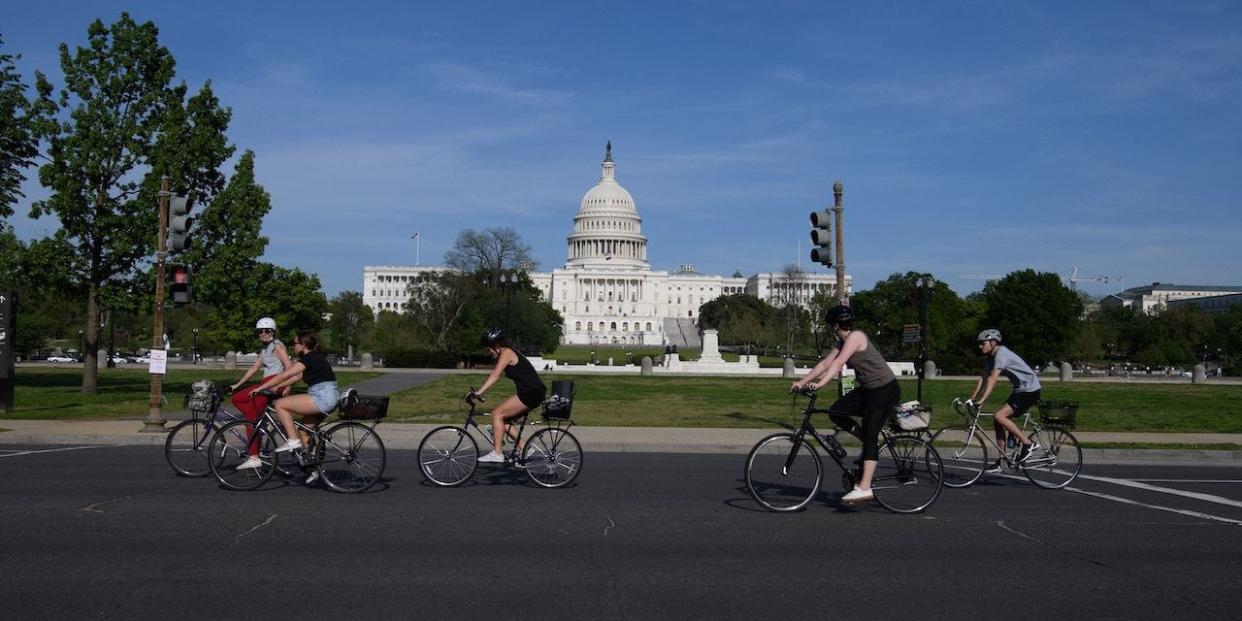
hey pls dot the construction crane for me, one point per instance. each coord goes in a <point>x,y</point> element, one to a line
<point>1074,279</point>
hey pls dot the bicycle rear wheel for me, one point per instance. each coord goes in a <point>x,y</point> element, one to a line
<point>781,477</point>
<point>909,475</point>
<point>230,447</point>
<point>1058,460</point>
<point>351,457</point>
<point>448,456</point>
<point>186,447</point>
<point>552,458</point>
<point>964,454</point>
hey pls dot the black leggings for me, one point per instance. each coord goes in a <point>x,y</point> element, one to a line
<point>874,405</point>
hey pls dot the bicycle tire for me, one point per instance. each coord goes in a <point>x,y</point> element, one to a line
<point>777,487</point>
<point>185,448</point>
<point>229,447</point>
<point>908,476</point>
<point>351,457</point>
<point>552,457</point>
<point>448,456</point>
<point>963,453</point>
<point>1061,460</point>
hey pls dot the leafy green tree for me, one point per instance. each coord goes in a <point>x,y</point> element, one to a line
<point>352,322</point>
<point>741,318</point>
<point>1037,314</point>
<point>439,301</point>
<point>889,306</point>
<point>18,139</point>
<point>112,132</point>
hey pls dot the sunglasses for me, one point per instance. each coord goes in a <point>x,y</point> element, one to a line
<point>265,331</point>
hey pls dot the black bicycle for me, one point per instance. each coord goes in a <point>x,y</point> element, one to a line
<point>784,470</point>
<point>448,456</point>
<point>346,455</point>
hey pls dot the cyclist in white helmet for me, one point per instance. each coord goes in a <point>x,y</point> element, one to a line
<point>273,359</point>
<point>1002,361</point>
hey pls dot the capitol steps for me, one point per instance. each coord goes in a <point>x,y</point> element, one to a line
<point>682,333</point>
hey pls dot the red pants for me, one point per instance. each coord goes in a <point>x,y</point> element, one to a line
<point>250,408</point>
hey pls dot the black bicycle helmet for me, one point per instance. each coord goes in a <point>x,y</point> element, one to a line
<point>839,316</point>
<point>492,336</point>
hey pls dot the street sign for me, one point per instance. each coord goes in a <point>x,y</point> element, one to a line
<point>910,333</point>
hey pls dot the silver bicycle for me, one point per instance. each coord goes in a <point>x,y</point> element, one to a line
<point>1057,462</point>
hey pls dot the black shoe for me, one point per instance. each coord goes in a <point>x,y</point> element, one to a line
<point>1030,453</point>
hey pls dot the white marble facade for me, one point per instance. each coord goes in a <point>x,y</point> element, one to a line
<point>607,292</point>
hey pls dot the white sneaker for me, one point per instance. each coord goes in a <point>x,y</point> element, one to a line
<point>492,458</point>
<point>312,478</point>
<point>289,445</point>
<point>857,495</point>
<point>1031,453</point>
<point>251,463</point>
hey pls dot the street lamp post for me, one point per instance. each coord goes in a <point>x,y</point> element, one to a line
<point>80,352</point>
<point>194,345</point>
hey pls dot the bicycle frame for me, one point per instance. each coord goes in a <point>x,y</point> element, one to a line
<point>809,427</point>
<point>1010,456</point>
<point>219,416</point>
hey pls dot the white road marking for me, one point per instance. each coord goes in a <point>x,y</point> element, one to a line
<point>55,450</point>
<point>1206,516</point>
<point>1220,500</point>
<point>1189,480</point>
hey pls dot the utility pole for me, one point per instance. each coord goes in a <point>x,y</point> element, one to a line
<point>838,210</point>
<point>154,422</point>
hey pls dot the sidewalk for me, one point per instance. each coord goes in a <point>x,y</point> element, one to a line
<point>629,440</point>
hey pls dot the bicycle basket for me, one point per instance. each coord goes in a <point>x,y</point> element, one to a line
<point>561,403</point>
<point>201,397</point>
<point>355,406</point>
<point>912,416</point>
<point>1058,413</point>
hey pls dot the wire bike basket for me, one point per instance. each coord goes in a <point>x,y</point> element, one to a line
<point>1058,413</point>
<point>561,402</point>
<point>354,406</point>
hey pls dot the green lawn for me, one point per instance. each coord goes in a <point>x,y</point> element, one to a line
<point>56,393</point>
<point>635,401</point>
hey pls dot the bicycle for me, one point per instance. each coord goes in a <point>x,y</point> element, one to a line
<point>448,456</point>
<point>784,470</point>
<point>1057,462</point>
<point>346,455</point>
<point>185,448</point>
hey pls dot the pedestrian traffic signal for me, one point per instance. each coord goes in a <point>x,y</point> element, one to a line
<point>821,237</point>
<point>179,222</point>
<point>181,288</point>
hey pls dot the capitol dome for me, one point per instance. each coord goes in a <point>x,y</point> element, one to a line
<point>607,230</point>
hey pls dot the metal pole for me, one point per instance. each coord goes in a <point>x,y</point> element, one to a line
<point>154,422</point>
<point>839,209</point>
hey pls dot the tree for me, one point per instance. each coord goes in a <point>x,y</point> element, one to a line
<point>490,253</point>
<point>126,128</point>
<point>889,306</point>
<point>352,321</point>
<point>18,139</point>
<point>1037,314</point>
<point>741,318</point>
<point>791,320</point>
<point>438,302</point>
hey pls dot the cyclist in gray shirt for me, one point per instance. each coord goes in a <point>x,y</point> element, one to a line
<point>1002,361</point>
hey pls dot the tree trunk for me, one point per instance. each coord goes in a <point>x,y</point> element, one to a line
<point>90,337</point>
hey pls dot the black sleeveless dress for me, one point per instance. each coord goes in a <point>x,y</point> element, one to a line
<point>530,389</point>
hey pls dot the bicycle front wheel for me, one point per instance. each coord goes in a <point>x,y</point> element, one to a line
<point>1056,462</point>
<point>964,454</point>
<point>783,472</point>
<point>552,458</point>
<point>909,475</point>
<point>232,445</point>
<point>448,456</point>
<point>351,457</point>
<point>186,448</point>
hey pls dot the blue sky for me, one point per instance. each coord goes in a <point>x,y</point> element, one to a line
<point>973,138</point>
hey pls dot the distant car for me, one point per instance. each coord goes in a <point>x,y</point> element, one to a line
<point>142,359</point>
<point>119,359</point>
<point>61,358</point>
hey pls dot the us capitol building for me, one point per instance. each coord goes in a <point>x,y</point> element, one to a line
<point>607,292</point>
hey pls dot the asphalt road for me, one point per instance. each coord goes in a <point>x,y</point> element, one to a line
<point>111,533</point>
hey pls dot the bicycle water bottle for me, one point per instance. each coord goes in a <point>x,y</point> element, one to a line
<point>1011,442</point>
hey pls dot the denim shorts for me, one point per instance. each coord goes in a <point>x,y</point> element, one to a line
<point>324,395</point>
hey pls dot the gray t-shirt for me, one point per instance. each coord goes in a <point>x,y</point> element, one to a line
<point>1013,368</point>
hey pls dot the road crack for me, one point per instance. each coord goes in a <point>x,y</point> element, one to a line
<point>270,518</point>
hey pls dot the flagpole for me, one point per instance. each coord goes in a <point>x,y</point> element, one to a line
<point>417,259</point>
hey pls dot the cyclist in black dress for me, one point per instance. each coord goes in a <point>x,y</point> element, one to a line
<point>530,389</point>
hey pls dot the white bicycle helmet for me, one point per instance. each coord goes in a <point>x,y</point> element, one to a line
<point>266,323</point>
<point>991,334</point>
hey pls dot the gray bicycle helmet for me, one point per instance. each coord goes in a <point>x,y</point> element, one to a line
<point>492,336</point>
<point>839,316</point>
<point>991,334</point>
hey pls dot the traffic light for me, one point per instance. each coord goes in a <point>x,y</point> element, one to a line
<point>821,237</point>
<point>180,286</point>
<point>179,222</point>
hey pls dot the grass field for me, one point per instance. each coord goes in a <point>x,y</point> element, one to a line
<point>630,401</point>
<point>123,393</point>
<point>636,401</point>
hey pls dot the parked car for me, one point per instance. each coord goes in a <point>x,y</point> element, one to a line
<point>61,358</point>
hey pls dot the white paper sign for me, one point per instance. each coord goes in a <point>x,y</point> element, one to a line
<point>159,361</point>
